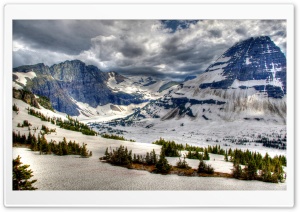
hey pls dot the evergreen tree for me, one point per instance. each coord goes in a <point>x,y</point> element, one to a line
<point>204,168</point>
<point>206,155</point>
<point>278,170</point>
<point>226,156</point>
<point>250,170</point>
<point>33,144</point>
<point>162,166</point>
<point>21,176</point>
<point>153,157</point>
<point>201,167</point>
<point>84,151</point>
<point>15,108</point>
<point>106,154</point>
<point>183,164</point>
<point>148,159</point>
<point>237,171</point>
<point>266,174</point>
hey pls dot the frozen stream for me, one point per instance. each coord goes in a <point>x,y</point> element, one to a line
<point>75,173</point>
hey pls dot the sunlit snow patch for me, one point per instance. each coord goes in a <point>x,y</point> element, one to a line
<point>22,76</point>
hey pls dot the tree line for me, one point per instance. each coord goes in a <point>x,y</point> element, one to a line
<point>69,124</point>
<point>60,148</point>
<point>121,156</point>
<point>237,155</point>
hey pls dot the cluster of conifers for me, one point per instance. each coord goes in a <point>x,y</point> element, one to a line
<point>69,124</point>
<point>256,167</point>
<point>44,147</point>
<point>123,157</point>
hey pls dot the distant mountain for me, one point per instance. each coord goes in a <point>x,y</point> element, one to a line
<point>247,82</point>
<point>256,60</point>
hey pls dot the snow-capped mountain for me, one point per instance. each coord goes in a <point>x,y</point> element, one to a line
<point>247,82</point>
<point>83,90</point>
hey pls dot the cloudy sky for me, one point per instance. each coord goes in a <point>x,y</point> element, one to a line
<point>167,49</point>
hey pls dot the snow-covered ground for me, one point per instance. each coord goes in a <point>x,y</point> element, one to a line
<point>206,133</point>
<point>75,173</point>
<point>105,112</point>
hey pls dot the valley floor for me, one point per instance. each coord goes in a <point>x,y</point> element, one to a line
<point>225,134</point>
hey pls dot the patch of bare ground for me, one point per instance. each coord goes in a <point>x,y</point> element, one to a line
<point>177,171</point>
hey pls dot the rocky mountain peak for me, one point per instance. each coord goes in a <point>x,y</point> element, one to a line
<point>255,59</point>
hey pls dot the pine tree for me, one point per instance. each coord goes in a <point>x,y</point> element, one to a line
<point>206,155</point>
<point>84,151</point>
<point>15,108</point>
<point>278,170</point>
<point>21,176</point>
<point>33,144</point>
<point>250,170</point>
<point>162,166</point>
<point>201,167</point>
<point>183,164</point>
<point>237,171</point>
<point>226,156</point>
<point>266,174</point>
<point>106,154</point>
<point>204,168</point>
<point>153,157</point>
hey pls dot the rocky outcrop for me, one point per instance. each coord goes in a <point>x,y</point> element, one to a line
<point>26,96</point>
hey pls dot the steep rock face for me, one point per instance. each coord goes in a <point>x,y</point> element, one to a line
<point>70,82</point>
<point>253,59</point>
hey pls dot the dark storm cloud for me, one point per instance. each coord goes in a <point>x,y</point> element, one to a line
<point>166,49</point>
<point>171,45</point>
<point>241,31</point>
<point>132,50</point>
<point>215,33</point>
<point>69,37</point>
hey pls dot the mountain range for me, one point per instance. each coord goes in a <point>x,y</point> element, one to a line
<point>248,81</point>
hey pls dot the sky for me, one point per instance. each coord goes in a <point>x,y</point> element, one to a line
<point>168,49</point>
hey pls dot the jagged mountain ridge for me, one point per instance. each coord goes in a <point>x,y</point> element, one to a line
<point>76,88</point>
<point>247,82</point>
